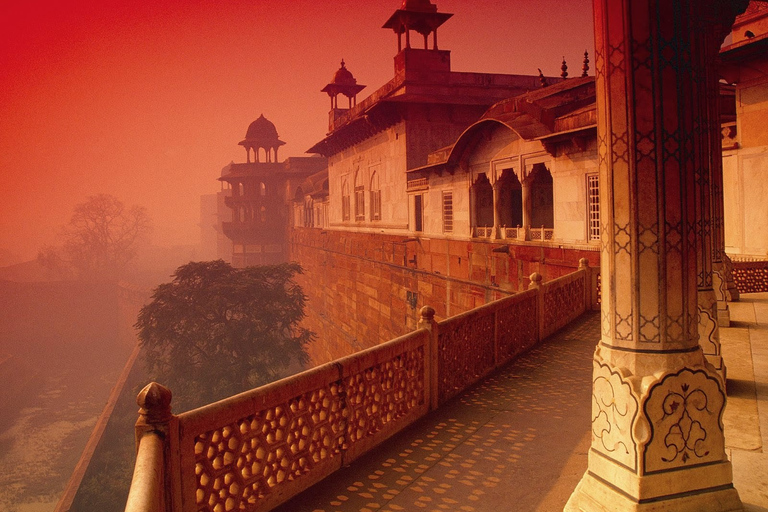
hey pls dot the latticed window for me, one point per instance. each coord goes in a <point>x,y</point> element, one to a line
<point>593,206</point>
<point>344,200</point>
<point>375,198</point>
<point>359,198</point>
<point>360,203</point>
<point>447,212</point>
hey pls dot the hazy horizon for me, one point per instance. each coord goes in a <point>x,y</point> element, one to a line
<point>147,101</point>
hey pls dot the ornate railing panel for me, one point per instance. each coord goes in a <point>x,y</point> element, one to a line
<point>385,390</point>
<point>257,449</point>
<point>751,276</point>
<point>465,350</point>
<point>483,232</point>
<point>517,233</point>
<point>542,234</point>
<point>516,326</point>
<point>250,451</point>
<point>563,300</point>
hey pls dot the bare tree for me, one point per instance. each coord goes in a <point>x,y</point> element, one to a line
<point>100,239</point>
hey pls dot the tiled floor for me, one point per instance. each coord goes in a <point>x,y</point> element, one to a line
<point>505,444</point>
<point>518,440</point>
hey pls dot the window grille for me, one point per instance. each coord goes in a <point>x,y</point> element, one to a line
<point>344,201</point>
<point>447,212</point>
<point>593,206</point>
<point>375,204</point>
<point>359,202</point>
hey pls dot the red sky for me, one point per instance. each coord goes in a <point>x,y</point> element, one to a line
<point>147,100</point>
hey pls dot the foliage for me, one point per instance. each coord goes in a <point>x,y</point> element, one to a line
<point>215,330</point>
<point>100,239</point>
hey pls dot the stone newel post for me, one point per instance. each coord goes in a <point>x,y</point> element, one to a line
<point>427,321</point>
<point>657,404</point>
<point>155,484</point>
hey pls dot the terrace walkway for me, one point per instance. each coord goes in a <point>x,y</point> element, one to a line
<point>518,440</point>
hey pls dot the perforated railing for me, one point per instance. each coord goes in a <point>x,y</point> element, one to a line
<point>473,344</point>
<point>257,449</point>
<point>751,276</point>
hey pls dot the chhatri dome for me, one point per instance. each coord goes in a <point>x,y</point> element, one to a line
<point>420,16</point>
<point>261,134</point>
<point>345,83</point>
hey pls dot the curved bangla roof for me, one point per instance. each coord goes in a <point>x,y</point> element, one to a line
<point>541,114</point>
<point>262,133</point>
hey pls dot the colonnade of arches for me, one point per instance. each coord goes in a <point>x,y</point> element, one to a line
<point>508,203</point>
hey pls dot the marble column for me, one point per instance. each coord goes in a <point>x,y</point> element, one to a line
<point>708,170</point>
<point>525,186</point>
<point>657,404</point>
<point>496,185</point>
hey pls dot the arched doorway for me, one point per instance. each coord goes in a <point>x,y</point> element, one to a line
<point>509,203</point>
<point>482,213</point>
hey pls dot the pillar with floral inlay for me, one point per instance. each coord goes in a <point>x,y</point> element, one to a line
<point>657,403</point>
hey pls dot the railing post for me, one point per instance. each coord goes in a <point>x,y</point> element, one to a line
<point>427,321</point>
<point>589,290</point>
<point>536,285</point>
<point>152,487</point>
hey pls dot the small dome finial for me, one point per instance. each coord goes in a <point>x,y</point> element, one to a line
<point>564,69</point>
<point>585,67</point>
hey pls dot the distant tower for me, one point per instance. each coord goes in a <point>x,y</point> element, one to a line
<point>343,83</point>
<point>261,134</point>
<point>255,193</point>
<point>420,16</point>
<point>564,70</point>
<point>585,67</point>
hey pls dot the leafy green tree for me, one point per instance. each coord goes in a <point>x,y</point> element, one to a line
<point>215,330</point>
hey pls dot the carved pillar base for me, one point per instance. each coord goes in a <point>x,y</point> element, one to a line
<point>594,495</point>
<point>657,440</point>
<point>732,292</point>
<point>709,332</point>
<point>719,285</point>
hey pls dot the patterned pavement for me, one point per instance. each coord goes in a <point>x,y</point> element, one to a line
<point>515,441</point>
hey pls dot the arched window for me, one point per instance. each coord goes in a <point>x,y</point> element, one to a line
<point>262,189</point>
<point>510,200</point>
<point>359,197</point>
<point>240,189</point>
<point>344,199</point>
<point>542,202</point>
<point>483,204</point>
<point>375,197</point>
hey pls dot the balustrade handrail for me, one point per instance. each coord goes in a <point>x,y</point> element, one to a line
<point>147,487</point>
<point>261,447</point>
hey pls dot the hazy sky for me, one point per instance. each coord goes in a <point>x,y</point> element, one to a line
<point>147,100</point>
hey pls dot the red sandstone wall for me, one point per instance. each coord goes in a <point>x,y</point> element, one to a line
<point>359,284</point>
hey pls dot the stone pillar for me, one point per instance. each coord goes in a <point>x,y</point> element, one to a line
<point>708,163</point>
<point>657,432</point>
<point>525,185</point>
<point>496,185</point>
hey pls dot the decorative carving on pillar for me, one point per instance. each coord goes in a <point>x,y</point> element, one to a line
<point>684,411</point>
<point>614,411</point>
<point>657,403</point>
<point>732,292</point>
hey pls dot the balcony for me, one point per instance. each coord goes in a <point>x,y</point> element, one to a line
<point>436,419</point>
